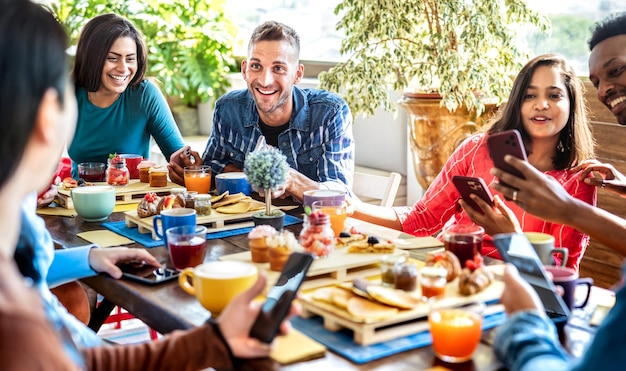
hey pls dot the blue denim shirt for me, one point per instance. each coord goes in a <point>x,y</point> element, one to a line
<point>318,142</point>
<point>528,341</point>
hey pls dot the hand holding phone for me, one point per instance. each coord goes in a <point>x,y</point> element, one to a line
<point>506,143</point>
<point>147,274</point>
<point>279,298</point>
<point>467,186</point>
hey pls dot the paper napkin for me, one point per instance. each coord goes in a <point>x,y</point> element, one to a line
<point>104,238</point>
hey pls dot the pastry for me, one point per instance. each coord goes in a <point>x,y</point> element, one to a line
<point>171,202</point>
<point>346,239</point>
<point>393,297</point>
<point>69,183</point>
<point>148,205</point>
<point>371,245</point>
<point>229,200</point>
<point>158,176</point>
<point>367,310</point>
<point>447,260</point>
<point>144,170</point>
<point>475,277</point>
<point>258,244</point>
<point>281,244</point>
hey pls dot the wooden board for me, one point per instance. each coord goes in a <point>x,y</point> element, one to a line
<point>132,193</point>
<point>215,222</point>
<point>339,266</point>
<point>405,322</point>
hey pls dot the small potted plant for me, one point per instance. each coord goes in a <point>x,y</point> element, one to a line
<point>266,169</point>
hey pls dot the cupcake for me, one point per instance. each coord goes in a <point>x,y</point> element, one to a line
<point>258,239</point>
<point>144,170</point>
<point>281,245</point>
<point>158,176</point>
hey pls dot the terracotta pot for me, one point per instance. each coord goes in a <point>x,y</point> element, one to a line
<point>435,132</point>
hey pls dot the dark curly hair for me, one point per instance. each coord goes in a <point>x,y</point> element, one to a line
<point>612,26</point>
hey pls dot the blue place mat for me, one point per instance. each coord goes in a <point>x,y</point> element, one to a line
<point>146,240</point>
<point>342,343</point>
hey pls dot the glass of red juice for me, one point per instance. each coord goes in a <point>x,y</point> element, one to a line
<point>463,240</point>
<point>91,171</point>
<point>186,245</point>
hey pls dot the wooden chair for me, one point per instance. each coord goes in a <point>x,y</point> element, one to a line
<point>370,186</point>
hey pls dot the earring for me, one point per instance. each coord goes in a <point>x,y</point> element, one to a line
<point>560,147</point>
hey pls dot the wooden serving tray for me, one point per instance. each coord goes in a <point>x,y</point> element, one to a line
<point>339,266</point>
<point>405,322</point>
<point>132,193</point>
<point>215,222</point>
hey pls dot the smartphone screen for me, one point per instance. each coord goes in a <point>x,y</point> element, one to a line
<point>506,143</point>
<point>517,250</point>
<point>280,296</point>
<point>147,274</point>
<point>467,185</point>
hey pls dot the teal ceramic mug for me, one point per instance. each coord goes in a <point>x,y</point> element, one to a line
<point>171,218</point>
<point>94,203</point>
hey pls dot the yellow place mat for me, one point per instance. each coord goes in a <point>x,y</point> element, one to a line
<point>296,347</point>
<point>104,238</point>
<point>56,210</point>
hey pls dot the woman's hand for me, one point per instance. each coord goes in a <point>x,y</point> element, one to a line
<point>604,176</point>
<point>47,197</point>
<point>104,259</point>
<point>497,219</point>
<point>238,317</point>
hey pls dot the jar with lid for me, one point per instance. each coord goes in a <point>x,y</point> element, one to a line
<point>433,281</point>
<point>202,204</point>
<point>117,173</point>
<point>388,268</point>
<point>406,276</point>
<point>317,236</point>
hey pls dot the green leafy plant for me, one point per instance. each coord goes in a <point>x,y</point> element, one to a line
<point>266,169</point>
<point>457,47</point>
<point>189,41</point>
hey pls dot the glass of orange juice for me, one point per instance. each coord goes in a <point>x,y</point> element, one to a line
<point>198,179</point>
<point>336,210</point>
<point>455,329</point>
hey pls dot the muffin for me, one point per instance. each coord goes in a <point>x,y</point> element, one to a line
<point>281,245</point>
<point>158,176</point>
<point>144,170</point>
<point>258,239</point>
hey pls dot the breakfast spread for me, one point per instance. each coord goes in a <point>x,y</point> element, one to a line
<point>475,277</point>
<point>446,260</point>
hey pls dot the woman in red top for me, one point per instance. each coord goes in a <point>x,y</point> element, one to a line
<point>547,107</point>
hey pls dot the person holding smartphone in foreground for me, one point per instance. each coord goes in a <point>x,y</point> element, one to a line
<point>546,106</point>
<point>36,120</point>
<point>528,340</point>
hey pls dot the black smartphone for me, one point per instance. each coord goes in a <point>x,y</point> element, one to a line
<point>517,250</point>
<point>467,185</point>
<point>147,274</point>
<point>280,296</point>
<point>506,143</point>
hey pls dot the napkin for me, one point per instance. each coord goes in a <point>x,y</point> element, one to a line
<point>296,347</point>
<point>104,238</point>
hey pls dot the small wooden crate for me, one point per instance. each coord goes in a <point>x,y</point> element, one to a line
<point>132,193</point>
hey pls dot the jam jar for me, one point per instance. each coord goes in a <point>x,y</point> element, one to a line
<point>317,236</point>
<point>433,281</point>
<point>406,276</point>
<point>117,173</point>
<point>388,265</point>
<point>202,204</point>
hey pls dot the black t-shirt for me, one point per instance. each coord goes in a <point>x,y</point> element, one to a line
<point>271,133</point>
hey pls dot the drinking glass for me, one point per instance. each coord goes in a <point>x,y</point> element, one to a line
<point>186,245</point>
<point>455,329</point>
<point>463,240</point>
<point>198,179</point>
<point>91,171</point>
<point>336,210</point>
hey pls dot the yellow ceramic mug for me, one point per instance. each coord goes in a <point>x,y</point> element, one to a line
<point>216,283</point>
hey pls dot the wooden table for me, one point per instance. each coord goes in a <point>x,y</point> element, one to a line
<point>167,307</point>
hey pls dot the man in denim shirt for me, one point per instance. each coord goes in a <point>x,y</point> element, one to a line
<point>313,128</point>
<point>528,339</point>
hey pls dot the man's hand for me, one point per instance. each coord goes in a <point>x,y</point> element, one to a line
<point>179,160</point>
<point>604,176</point>
<point>518,294</point>
<point>104,259</point>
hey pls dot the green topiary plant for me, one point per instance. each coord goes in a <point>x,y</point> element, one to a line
<point>266,169</point>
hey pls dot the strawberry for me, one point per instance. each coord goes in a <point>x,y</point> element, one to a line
<point>474,264</point>
<point>150,197</point>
